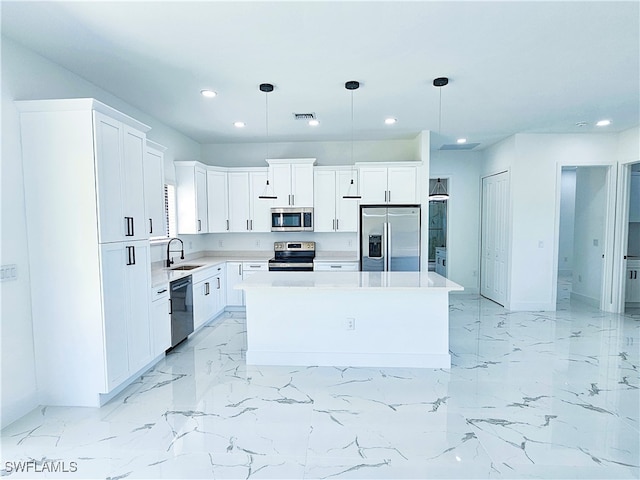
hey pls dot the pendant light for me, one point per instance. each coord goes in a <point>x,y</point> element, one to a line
<point>267,193</point>
<point>351,86</point>
<point>439,191</point>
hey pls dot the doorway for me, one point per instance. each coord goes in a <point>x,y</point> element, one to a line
<point>582,235</point>
<point>438,230</point>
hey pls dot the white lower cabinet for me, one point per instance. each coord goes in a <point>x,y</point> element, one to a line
<point>125,292</point>
<point>208,294</point>
<point>160,318</point>
<point>236,273</point>
<point>338,266</point>
<point>632,288</point>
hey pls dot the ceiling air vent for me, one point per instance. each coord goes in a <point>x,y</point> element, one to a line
<point>304,116</point>
<point>459,146</point>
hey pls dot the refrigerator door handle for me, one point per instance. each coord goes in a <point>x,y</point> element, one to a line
<point>388,252</point>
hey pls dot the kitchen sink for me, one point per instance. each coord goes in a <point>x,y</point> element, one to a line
<point>185,267</point>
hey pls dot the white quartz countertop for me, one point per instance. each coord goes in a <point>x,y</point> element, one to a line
<point>423,281</point>
<point>164,275</point>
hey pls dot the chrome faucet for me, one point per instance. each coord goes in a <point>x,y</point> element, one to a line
<point>169,260</point>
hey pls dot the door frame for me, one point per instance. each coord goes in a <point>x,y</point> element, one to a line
<point>448,178</point>
<point>607,288</point>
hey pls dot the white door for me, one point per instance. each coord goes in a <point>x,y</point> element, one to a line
<point>238,201</point>
<point>154,192</point>
<point>134,146</point>
<point>302,185</point>
<point>493,271</point>
<point>373,185</point>
<point>201,200</point>
<point>137,269</point>
<point>260,219</point>
<point>324,207</point>
<point>347,209</point>
<point>217,202</point>
<point>108,152</point>
<point>402,185</point>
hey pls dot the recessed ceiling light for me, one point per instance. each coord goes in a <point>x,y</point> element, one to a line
<point>239,124</point>
<point>390,121</point>
<point>461,140</point>
<point>208,93</point>
<point>314,123</point>
<point>603,123</point>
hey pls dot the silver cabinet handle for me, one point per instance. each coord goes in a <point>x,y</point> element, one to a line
<point>336,266</point>
<point>337,224</point>
<point>247,224</point>
<point>151,225</point>
<point>218,278</point>
<point>199,225</point>
<point>227,224</point>
<point>206,288</point>
<point>389,195</point>
<point>239,269</point>
<point>170,307</point>
<point>251,223</point>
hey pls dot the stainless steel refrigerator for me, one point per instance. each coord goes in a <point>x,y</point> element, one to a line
<point>390,238</point>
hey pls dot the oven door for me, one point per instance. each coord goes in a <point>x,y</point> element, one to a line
<point>285,266</point>
<point>291,220</point>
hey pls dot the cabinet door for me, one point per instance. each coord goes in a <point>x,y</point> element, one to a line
<point>260,219</point>
<point>113,260</point>
<point>219,291</point>
<point>154,192</point>
<point>302,185</point>
<point>280,181</point>
<point>402,185</point>
<point>234,276</point>
<point>217,202</point>
<point>202,302</point>
<point>134,146</point>
<point>108,157</point>
<point>160,320</point>
<point>201,200</point>
<point>324,206</point>
<point>239,211</point>
<point>632,288</point>
<point>347,209</point>
<point>138,272</point>
<point>373,185</point>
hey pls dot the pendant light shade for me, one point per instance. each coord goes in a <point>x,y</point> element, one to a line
<point>268,192</point>
<point>439,191</point>
<point>352,191</point>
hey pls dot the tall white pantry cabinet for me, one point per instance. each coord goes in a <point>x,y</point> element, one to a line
<point>88,248</point>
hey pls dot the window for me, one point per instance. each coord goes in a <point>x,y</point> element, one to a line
<point>170,209</point>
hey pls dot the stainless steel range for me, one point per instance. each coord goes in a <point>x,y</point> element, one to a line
<point>293,257</point>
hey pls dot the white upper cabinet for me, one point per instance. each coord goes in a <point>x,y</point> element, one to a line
<point>119,158</point>
<point>154,189</point>
<point>292,181</point>
<point>385,184</point>
<point>248,212</point>
<point>332,212</point>
<point>217,201</point>
<point>191,192</point>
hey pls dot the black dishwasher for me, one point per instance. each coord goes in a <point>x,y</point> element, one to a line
<point>181,310</point>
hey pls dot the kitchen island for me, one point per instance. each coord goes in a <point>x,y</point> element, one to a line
<point>375,319</point>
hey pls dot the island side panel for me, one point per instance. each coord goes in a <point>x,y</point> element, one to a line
<point>312,326</point>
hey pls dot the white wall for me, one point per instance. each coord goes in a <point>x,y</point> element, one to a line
<point>26,76</point>
<point>567,216</point>
<point>325,153</point>
<point>462,169</point>
<point>588,246</point>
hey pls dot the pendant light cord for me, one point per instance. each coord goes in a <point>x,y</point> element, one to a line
<point>266,118</point>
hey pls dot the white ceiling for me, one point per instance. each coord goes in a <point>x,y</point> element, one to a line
<point>513,66</point>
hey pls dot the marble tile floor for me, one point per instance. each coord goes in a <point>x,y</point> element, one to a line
<point>529,395</point>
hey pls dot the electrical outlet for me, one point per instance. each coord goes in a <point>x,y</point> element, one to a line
<point>349,243</point>
<point>8,273</point>
<point>540,244</point>
<point>190,245</point>
<point>595,242</point>
<point>257,243</point>
<point>350,323</point>
<point>220,243</point>
<point>475,273</point>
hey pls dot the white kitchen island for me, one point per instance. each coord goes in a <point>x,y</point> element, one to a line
<point>375,319</point>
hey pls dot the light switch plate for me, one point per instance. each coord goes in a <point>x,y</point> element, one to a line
<point>8,273</point>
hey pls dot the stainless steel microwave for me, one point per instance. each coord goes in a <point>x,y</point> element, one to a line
<point>292,219</point>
